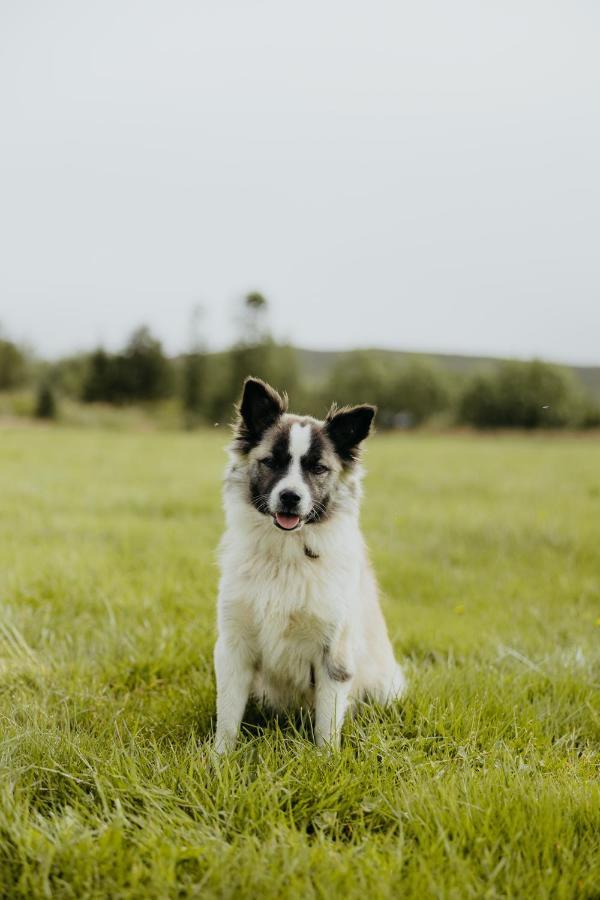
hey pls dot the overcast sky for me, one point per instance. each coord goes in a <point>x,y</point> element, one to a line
<point>420,175</point>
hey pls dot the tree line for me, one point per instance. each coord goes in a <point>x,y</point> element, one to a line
<point>204,385</point>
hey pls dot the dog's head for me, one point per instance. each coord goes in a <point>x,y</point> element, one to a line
<point>295,464</point>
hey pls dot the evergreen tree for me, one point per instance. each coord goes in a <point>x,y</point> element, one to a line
<point>45,405</point>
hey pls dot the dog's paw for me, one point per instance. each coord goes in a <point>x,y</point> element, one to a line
<point>224,744</point>
<point>399,685</point>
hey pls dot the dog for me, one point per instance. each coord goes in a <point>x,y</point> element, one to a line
<point>299,620</point>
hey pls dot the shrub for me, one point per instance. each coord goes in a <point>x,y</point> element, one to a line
<point>13,365</point>
<point>522,395</point>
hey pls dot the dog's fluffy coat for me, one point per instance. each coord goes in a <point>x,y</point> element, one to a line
<point>299,621</point>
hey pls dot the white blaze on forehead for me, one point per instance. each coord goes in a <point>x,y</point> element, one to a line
<point>300,437</point>
<point>299,440</point>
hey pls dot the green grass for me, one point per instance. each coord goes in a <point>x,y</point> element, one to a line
<point>482,784</point>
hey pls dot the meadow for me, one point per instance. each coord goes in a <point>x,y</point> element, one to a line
<point>482,783</point>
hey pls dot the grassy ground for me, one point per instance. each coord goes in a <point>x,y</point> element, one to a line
<point>483,784</point>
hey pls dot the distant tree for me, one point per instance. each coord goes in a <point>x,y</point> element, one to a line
<point>360,376</point>
<point>70,374</point>
<point>220,392</point>
<point>254,352</point>
<point>193,384</point>
<point>590,417</point>
<point>97,384</point>
<point>252,319</point>
<point>278,364</point>
<point>247,353</point>
<point>479,403</point>
<point>410,392</point>
<point>419,390</point>
<point>273,362</point>
<point>357,377</point>
<point>13,365</point>
<point>522,395</point>
<point>45,404</point>
<point>140,372</point>
<point>143,367</point>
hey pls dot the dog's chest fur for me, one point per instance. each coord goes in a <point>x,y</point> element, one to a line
<point>289,603</point>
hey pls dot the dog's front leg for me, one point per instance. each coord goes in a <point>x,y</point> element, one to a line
<point>333,680</point>
<point>234,671</point>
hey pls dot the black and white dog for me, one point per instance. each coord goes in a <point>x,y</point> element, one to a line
<point>299,621</point>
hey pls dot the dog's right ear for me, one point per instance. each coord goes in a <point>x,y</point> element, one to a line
<point>260,407</point>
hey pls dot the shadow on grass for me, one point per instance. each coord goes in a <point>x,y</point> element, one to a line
<point>260,720</point>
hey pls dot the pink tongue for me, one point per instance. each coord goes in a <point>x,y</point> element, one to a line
<point>287,521</point>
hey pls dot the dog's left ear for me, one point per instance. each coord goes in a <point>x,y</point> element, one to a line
<point>260,407</point>
<point>347,427</point>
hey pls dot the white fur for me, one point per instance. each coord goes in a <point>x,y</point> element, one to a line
<point>278,609</point>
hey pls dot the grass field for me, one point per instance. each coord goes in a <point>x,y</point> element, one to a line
<point>482,784</point>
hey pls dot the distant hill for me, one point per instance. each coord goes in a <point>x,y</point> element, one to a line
<point>315,364</point>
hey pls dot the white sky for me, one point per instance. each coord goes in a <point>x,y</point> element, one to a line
<point>420,175</point>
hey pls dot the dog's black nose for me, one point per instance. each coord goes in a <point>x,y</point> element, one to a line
<point>289,499</point>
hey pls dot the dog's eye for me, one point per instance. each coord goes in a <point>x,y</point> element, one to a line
<point>269,462</point>
<point>319,469</point>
